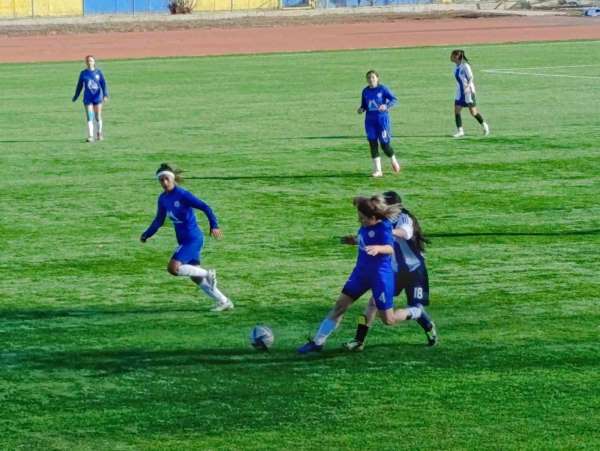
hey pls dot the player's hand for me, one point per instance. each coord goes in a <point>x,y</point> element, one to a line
<point>372,250</point>
<point>74,99</point>
<point>143,238</point>
<point>105,99</point>
<point>348,239</point>
<point>383,108</point>
<point>360,110</point>
<point>216,233</point>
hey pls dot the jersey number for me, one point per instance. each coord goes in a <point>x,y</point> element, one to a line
<point>418,293</point>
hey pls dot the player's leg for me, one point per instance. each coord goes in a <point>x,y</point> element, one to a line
<point>89,116</point>
<point>366,320</point>
<point>417,294</point>
<point>460,132</point>
<point>98,117</point>
<point>372,137</point>
<point>477,115</point>
<point>354,288</point>
<point>385,138</point>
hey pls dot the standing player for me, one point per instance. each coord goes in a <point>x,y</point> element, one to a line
<point>95,93</point>
<point>376,100</point>
<point>411,276</point>
<point>178,205</point>
<point>465,93</point>
<point>373,270</point>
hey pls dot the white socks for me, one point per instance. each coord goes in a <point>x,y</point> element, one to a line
<point>415,312</point>
<point>191,271</point>
<point>213,293</point>
<point>90,126</point>
<point>325,330</point>
<point>377,165</point>
<point>99,126</point>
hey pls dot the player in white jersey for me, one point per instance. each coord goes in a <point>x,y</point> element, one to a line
<point>465,93</point>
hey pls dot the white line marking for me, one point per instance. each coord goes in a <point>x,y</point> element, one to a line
<point>537,74</point>
<point>545,67</point>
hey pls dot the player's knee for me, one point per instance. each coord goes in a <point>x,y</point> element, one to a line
<point>387,321</point>
<point>173,267</point>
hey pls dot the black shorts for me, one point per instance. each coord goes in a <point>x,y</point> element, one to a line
<point>416,285</point>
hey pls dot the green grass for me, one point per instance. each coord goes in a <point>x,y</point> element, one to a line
<point>102,349</point>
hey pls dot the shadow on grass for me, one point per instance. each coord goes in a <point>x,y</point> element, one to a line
<point>44,140</point>
<point>340,175</point>
<point>475,234</point>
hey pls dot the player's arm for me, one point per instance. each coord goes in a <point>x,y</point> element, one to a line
<point>103,85</point>
<point>390,98</point>
<point>363,104</point>
<point>349,239</point>
<point>380,249</point>
<point>78,88</point>
<point>192,201</point>
<point>159,220</point>
<point>404,228</point>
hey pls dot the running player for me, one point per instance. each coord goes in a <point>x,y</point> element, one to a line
<point>373,270</point>
<point>95,93</point>
<point>376,100</point>
<point>465,93</point>
<point>411,276</point>
<point>178,205</point>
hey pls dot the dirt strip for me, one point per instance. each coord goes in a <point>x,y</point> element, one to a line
<point>291,38</point>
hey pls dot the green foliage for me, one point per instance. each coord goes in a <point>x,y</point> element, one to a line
<point>102,349</point>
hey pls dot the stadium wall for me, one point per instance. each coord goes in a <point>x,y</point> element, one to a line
<point>47,8</point>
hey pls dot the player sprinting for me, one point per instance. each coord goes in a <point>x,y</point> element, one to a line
<point>177,204</point>
<point>95,93</point>
<point>376,100</point>
<point>465,93</point>
<point>373,270</point>
<point>411,276</point>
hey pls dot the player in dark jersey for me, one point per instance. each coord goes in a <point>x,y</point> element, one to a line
<point>411,277</point>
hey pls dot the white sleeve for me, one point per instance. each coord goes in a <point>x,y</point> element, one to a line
<point>406,223</point>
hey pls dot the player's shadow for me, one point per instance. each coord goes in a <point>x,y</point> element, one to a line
<point>49,314</point>
<point>339,175</point>
<point>110,362</point>
<point>508,233</point>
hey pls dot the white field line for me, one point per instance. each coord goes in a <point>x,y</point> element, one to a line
<point>539,74</point>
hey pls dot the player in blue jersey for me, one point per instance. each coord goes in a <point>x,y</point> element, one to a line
<point>95,93</point>
<point>465,93</point>
<point>376,101</point>
<point>373,270</point>
<point>178,205</point>
<point>411,277</point>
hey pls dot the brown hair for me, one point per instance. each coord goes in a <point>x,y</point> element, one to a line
<point>419,238</point>
<point>174,170</point>
<point>374,72</point>
<point>375,207</point>
<point>460,54</point>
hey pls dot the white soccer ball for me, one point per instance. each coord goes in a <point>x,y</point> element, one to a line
<point>261,337</point>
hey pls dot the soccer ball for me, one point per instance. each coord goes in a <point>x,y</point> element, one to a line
<point>261,337</point>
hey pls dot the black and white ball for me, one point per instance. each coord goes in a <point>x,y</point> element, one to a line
<point>261,337</point>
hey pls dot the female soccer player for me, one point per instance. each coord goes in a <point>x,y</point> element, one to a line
<point>178,205</point>
<point>465,93</point>
<point>373,270</point>
<point>376,101</point>
<point>411,276</point>
<point>95,93</point>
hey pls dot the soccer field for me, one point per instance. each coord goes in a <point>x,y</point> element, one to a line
<point>100,348</point>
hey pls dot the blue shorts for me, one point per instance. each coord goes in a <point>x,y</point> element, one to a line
<point>189,253</point>
<point>415,284</point>
<point>378,128</point>
<point>95,100</point>
<point>380,283</point>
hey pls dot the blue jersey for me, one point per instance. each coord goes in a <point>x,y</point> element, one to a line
<point>378,234</point>
<point>373,98</point>
<point>94,86</point>
<point>178,205</point>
